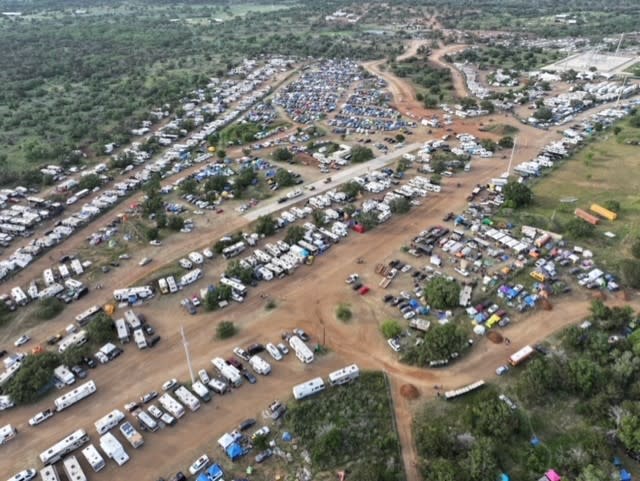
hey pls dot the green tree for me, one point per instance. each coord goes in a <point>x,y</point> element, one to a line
<point>579,229</point>
<point>442,293</point>
<point>188,186</point>
<point>319,218</point>
<point>487,105</point>
<point>175,222</point>
<point>295,234</point>
<point>265,225</point>
<point>488,144</point>
<point>402,165</point>
<point>282,154</point>
<point>493,418</point>
<point>613,205</point>
<point>351,189</point>
<point>49,308</point>
<point>225,330</point>
<point>441,469</point>
<point>235,269</point>
<point>506,142</point>
<point>221,154</point>
<point>400,206</point>
<point>544,114</point>
<point>584,376</point>
<point>284,178</point>
<point>541,376</point>
<point>593,473</point>
<point>368,219</point>
<point>31,381</point>
<point>90,181</point>
<point>631,272</point>
<point>400,138</point>
<point>390,328</point>
<point>101,329</point>
<point>343,312</point>
<point>481,460</point>
<point>211,301</point>
<point>442,341</point>
<point>260,442</point>
<point>635,249</point>
<point>151,233</point>
<point>517,195</point>
<point>599,310</point>
<point>361,154</point>
<point>216,183</point>
<point>629,432</point>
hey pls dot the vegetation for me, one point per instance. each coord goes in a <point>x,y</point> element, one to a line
<point>350,427</point>
<point>361,154</point>
<point>516,57</point>
<point>235,269</point>
<point>391,328</point>
<point>265,225</point>
<point>34,378</point>
<point>48,308</point>
<point>225,330</point>
<point>351,189</point>
<point>282,154</point>
<point>442,293</point>
<point>517,195</point>
<point>101,329</point>
<point>295,234</point>
<point>579,229</point>
<point>368,219</point>
<point>239,133</point>
<point>400,206</point>
<point>435,85</point>
<point>441,342</point>
<point>343,312</point>
<point>284,178</point>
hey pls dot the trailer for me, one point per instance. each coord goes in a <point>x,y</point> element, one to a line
<point>64,271</point>
<point>19,297</point>
<point>308,388</point>
<point>73,470</point>
<point>171,405</point>
<point>132,319</point>
<point>140,339</point>
<point>308,247</point>
<point>51,291</point>
<point>123,330</point>
<point>303,353</point>
<point>521,356</point>
<point>344,375</point>
<point>230,373</point>
<point>420,324</point>
<point>187,397</point>
<point>163,286</point>
<point>67,445</point>
<point>218,386</point>
<point>233,250</point>
<point>146,421</point>
<point>74,396</point>
<point>259,365</point>
<point>235,285</point>
<point>586,217</point>
<point>196,258</point>
<point>76,266</point>
<point>63,374</point>
<point>201,390</point>
<point>85,316</point>
<point>49,473</point>
<point>94,458</point>
<point>604,212</point>
<point>190,277</point>
<point>133,293</point>
<point>109,421</point>
<point>131,435</point>
<point>48,276</point>
<point>448,395</point>
<point>7,433</point>
<point>173,287</point>
<point>113,449</point>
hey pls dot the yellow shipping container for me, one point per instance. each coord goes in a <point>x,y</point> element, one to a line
<point>606,213</point>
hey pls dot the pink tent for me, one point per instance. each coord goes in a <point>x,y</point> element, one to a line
<point>552,475</point>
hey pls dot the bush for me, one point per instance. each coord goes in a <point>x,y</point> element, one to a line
<point>271,304</point>
<point>90,182</point>
<point>390,328</point>
<point>343,313</point>
<point>612,205</point>
<point>265,225</point>
<point>442,293</point>
<point>295,234</point>
<point>284,178</point>
<point>368,219</point>
<point>225,330</point>
<point>33,378</point>
<point>319,218</point>
<point>351,189</point>
<point>101,329</point>
<point>631,272</point>
<point>151,233</point>
<point>400,206</point>
<point>506,142</point>
<point>282,154</point>
<point>517,195</point>
<point>234,269</point>
<point>361,154</point>
<point>579,228</point>
<point>175,222</point>
<point>635,249</point>
<point>49,308</point>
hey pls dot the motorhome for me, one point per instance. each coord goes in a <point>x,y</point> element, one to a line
<point>74,396</point>
<point>84,317</point>
<point>187,397</point>
<point>109,421</point>
<point>49,473</point>
<point>73,470</point>
<point>230,373</point>
<point>147,422</point>
<point>201,390</point>
<point>140,339</point>
<point>73,340</point>
<point>7,433</point>
<point>113,449</point>
<point>308,388</point>
<point>132,319</point>
<point>303,353</point>
<point>173,287</point>
<point>133,293</point>
<point>163,286</point>
<point>123,330</point>
<point>344,375</point>
<point>190,277</point>
<point>236,286</point>
<point>171,405</point>
<point>131,435</point>
<point>67,445</point>
<point>218,386</point>
<point>49,278</point>
<point>62,374</point>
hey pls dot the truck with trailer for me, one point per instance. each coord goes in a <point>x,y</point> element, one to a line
<point>74,396</point>
<point>187,397</point>
<point>108,421</point>
<point>67,445</point>
<point>308,388</point>
<point>113,449</point>
<point>146,421</point>
<point>344,375</point>
<point>521,356</point>
<point>94,458</point>
<point>73,470</point>
<point>230,373</point>
<point>171,405</point>
<point>49,473</point>
<point>259,365</point>
<point>131,435</point>
<point>123,330</point>
<point>201,390</point>
<point>140,339</point>
<point>303,353</point>
<point>63,374</point>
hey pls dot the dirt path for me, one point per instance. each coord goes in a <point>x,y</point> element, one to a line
<point>459,82</point>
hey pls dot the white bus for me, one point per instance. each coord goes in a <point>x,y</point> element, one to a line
<point>49,473</point>
<point>308,388</point>
<point>74,396</point>
<point>84,317</point>
<point>123,330</point>
<point>93,457</point>
<point>69,444</point>
<point>73,469</point>
<point>109,421</point>
<point>344,375</point>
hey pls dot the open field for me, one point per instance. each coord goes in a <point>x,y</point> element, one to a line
<point>596,174</point>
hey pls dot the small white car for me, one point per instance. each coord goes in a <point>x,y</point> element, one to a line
<point>394,344</point>
<point>155,411</point>
<point>204,377</point>
<point>283,349</point>
<point>502,370</point>
<point>208,253</point>
<point>144,261</point>
<point>198,464</point>
<point>169,384</point>
<point>41,417</point>
<point>241,353</point>
<point>25,475</point>
<point>155,243</point>
<point>263,431</point>
<point>22,340</point>
<point>273,352</point>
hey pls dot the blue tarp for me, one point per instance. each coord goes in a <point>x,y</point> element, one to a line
<point>504,477</point>
<point>625,475</point>
<point>535,441</point>
<point>213,473</point>
<point>235,451</point>
<point>286,436</point>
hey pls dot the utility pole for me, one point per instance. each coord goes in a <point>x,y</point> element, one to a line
<point>185,343</point>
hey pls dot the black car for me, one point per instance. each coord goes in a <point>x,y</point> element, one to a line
<point>387,298</point>
<point>149,331</point>
<point>246,424</point>
<point>79,372</point>
<point>179,476</point>
<point>90,362</point>
<point>251,379</point>
<point>154,340</point>
<point>3,353</point>
<point>254,349</point>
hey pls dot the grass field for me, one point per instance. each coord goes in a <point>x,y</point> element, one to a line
<point>603,170</point>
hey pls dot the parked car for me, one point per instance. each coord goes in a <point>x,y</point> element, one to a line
<point>170,384</point>
<point>251,379</point>
<point>283,349</point>
<point>22,340</point>
<point>263,431</point>
<point>254,349</point>
<point>235,363</point>
<point>155,411</point>
<point>150,396</point>
<point>54,339</point>
<point>301,334</point>
<point>198,464</point>
<point>204,376</point>
<point>246,424</point>
<point>25,475</point>
<point>266,454</point>
<point>90,362</point>
<point>241,353</point>
<point>502,370</point>
<point>79,372</point>
<point>131,406</point>
<point>149,331</point>
<point>394,344</point>
<point>41,417</point>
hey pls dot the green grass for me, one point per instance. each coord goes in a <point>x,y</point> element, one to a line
<point>501,129</point>
<point>597,173</point>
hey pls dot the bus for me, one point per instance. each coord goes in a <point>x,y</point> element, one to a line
<point>69,444</point>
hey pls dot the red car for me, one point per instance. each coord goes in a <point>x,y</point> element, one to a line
<point>363,290</point>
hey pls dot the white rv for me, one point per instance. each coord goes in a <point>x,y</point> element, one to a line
<point>308,388</point>
<point>303,353</point>
<point>201,390</point>
<point>7,433</point>
<point>122,330</point>
<point>230,373</point>
<point>63,374</point>
<point>187,397</point>
<point>173,287</point>
<point>171,405</point>
<point>131,435</point>
<point>93,457</point>
<point>344,375</point>
<point>111,420</point>
<point>132,319</point>
<point>67,445</point>
<point>259,365</point>
<point>140,339</point>
<point>72,397</point>
<point>73,469</point>
<point>113,449</point>
<point>49,473</point>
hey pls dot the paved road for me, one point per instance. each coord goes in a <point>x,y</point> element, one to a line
<point>338,178</point>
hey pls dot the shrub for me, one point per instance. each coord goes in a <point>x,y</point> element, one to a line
<point>390,328</point>
<point>225,330</point>
<point>49,308</point>
<point>101,329</point>
<point>442,293</point>
<point>343,312</point>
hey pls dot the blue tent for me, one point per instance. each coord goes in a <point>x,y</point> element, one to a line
<point>535,441</point>
<point>235,451</point>
<point>286,436</point>
<point>504,477</point>
<point>625,475</point>
<point>213,473</point>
